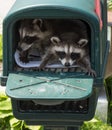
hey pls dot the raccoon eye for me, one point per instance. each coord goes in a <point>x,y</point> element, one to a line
<point>29,39</point>
<point>75,56</point>
<point>61,54</point>
<point>26,38</point>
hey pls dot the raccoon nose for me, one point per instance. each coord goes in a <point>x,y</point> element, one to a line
<point>67,64</point>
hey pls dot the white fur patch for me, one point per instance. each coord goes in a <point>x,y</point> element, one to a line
<point>71,49</point>
<point>61,49</point>
<point>66,49</point>
<point>25,46</point>
<point>70,61</point>
<point>32,34</point>
<point>75,50</point>
<point>26,32</point>
<point>58,48</point>
<point>23,33</point>
<point>63,61</point>
<point>83,42</point>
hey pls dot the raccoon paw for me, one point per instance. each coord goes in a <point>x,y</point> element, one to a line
<point>91,73</point>
<point>24,59</point>
<point>40,69</point>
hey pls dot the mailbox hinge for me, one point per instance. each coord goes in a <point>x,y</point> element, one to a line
<point>3,80</point>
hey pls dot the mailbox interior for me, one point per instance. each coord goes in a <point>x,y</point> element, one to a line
<point>16,39</point>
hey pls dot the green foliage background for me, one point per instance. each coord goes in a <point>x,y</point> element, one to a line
<point>8,122</point>
<point>0,47</point>
<point>109,3</point>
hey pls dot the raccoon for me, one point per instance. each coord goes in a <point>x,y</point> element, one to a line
<point>69,53</point>
<point>32,33</point>
<point>61,26</point>
<point>36,33</point>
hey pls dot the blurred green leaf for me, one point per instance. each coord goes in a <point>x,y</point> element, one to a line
<point>13,121</point>
<point>5,113</point>
<point>1,47</point>
<point>17,125</point>
<point>4,123</point>
<point>95,124</point>
<point>3,96</point>
<point>20,125</point>
<point>5,105</point>
<point>109,3</point>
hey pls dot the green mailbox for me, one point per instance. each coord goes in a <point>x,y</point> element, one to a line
<point>48,98</point>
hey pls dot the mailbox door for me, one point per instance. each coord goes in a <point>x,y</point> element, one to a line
<point>48,85</point>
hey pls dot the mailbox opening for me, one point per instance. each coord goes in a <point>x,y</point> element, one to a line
<point>33,52</point>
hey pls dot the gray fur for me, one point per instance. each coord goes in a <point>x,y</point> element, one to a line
<point>31,36</point>
<point>80,49</point>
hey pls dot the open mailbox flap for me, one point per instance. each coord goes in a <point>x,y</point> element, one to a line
<point>48,85</point>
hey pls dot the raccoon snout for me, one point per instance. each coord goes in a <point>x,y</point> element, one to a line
<point>67,64</point>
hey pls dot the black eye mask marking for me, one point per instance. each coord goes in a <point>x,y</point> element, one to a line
<point>75,56</point>
<point>29,39</point>
<point>61,54</point>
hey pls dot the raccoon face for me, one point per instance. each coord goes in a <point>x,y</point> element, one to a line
<point>30,27</point>
<point>68,52</point>
<point>32,31</point>
<point>68,59</point>
<point>26,43</point>
<point>29,31</point>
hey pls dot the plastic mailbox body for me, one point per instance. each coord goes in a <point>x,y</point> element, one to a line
<point>25,87</point>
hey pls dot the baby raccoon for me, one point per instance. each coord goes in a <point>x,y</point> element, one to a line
<point>69,53</point>
<point>32,33</point>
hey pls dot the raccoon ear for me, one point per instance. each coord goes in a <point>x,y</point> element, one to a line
<point>82,42</point>
<point>38,22</point>
<point>55,40</point>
